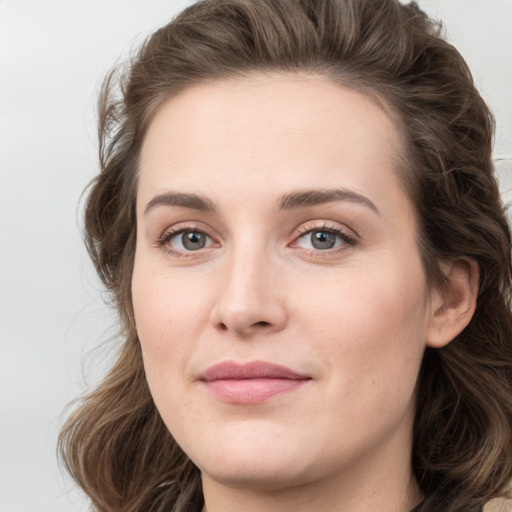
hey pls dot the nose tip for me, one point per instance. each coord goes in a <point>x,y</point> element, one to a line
<point>240,323</point>
<point>249,302</point>
<point>245,322</point>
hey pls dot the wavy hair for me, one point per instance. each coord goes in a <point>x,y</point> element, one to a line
<point>114,443</point>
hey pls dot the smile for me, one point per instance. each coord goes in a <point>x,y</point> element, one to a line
<point>250,383</point>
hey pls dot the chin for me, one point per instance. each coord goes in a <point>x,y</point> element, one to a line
<point>258,475</point>
<point>253,457</point>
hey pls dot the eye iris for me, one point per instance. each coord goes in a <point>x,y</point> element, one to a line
<point>323,240</point>
<point>193,240</point>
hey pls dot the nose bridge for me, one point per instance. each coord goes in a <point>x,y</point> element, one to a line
<point>249,299</point>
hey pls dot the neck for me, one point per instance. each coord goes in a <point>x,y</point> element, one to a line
<point>312,499</point>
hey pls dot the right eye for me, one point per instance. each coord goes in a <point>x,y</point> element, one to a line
<point>189,240</point>
<point>185,240</point>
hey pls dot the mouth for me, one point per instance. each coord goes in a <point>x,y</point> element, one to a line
<point>250,383</point>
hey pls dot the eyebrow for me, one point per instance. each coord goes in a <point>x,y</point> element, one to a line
<point>192,201</point>
<point>306,198</point>
<point>289,201</point>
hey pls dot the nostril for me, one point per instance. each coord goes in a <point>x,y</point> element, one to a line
<point>262,324</point>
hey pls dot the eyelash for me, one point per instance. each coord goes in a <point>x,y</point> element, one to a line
<point>346,238</point>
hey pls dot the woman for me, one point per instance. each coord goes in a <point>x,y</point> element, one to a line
<point>298,219</point>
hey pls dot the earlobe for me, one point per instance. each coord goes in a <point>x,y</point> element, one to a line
<point>453,307</point>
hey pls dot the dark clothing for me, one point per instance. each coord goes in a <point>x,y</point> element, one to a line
<point>443,500</point>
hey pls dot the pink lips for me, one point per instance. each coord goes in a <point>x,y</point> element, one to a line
<point>250,383</point>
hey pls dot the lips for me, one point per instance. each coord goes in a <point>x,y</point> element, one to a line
<point>250,383</point>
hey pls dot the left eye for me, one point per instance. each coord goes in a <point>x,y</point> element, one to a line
<point>190,240</point>
<point>322,239</point>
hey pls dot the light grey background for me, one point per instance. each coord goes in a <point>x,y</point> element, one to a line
<point>53,54</point>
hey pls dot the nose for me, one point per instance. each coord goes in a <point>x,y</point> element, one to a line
<point>250,300</point>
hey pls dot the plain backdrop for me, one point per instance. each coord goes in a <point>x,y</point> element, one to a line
<point>53,54</point>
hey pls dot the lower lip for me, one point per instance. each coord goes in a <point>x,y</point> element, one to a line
<point>251,391</point>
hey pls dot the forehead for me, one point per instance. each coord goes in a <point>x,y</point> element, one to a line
<point>268,132</point>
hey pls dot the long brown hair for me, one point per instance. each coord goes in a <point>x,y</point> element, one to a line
<point>114,443</point>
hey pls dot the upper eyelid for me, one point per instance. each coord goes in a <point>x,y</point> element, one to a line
<point>179,227</point>
<point>309,226</point>
<point>326,227</point>
<point>347,237</point>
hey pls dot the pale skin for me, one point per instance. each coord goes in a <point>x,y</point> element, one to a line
<point>329,284</point>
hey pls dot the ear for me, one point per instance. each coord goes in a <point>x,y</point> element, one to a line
<point>453,307</point>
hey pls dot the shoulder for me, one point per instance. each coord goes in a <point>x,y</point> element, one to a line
<point>499,505</point>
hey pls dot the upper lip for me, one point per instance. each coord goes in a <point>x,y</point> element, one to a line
<point>252,370</point>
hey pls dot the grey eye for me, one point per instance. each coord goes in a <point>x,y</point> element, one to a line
<point>193,240</point>
<point>185,241</point>
<point>323,239</point>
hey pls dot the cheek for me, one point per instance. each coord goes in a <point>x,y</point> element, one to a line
<point>166,302</point>
<point>168,313</point>
<point>381,300</point>
<point>370,329</point>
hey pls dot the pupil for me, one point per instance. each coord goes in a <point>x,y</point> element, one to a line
<point>193,240</point>
<point>323,240</point>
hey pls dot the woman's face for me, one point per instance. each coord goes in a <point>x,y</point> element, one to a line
<point>278,290</point>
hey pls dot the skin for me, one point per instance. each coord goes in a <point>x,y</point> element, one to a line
<point>355,319</point>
